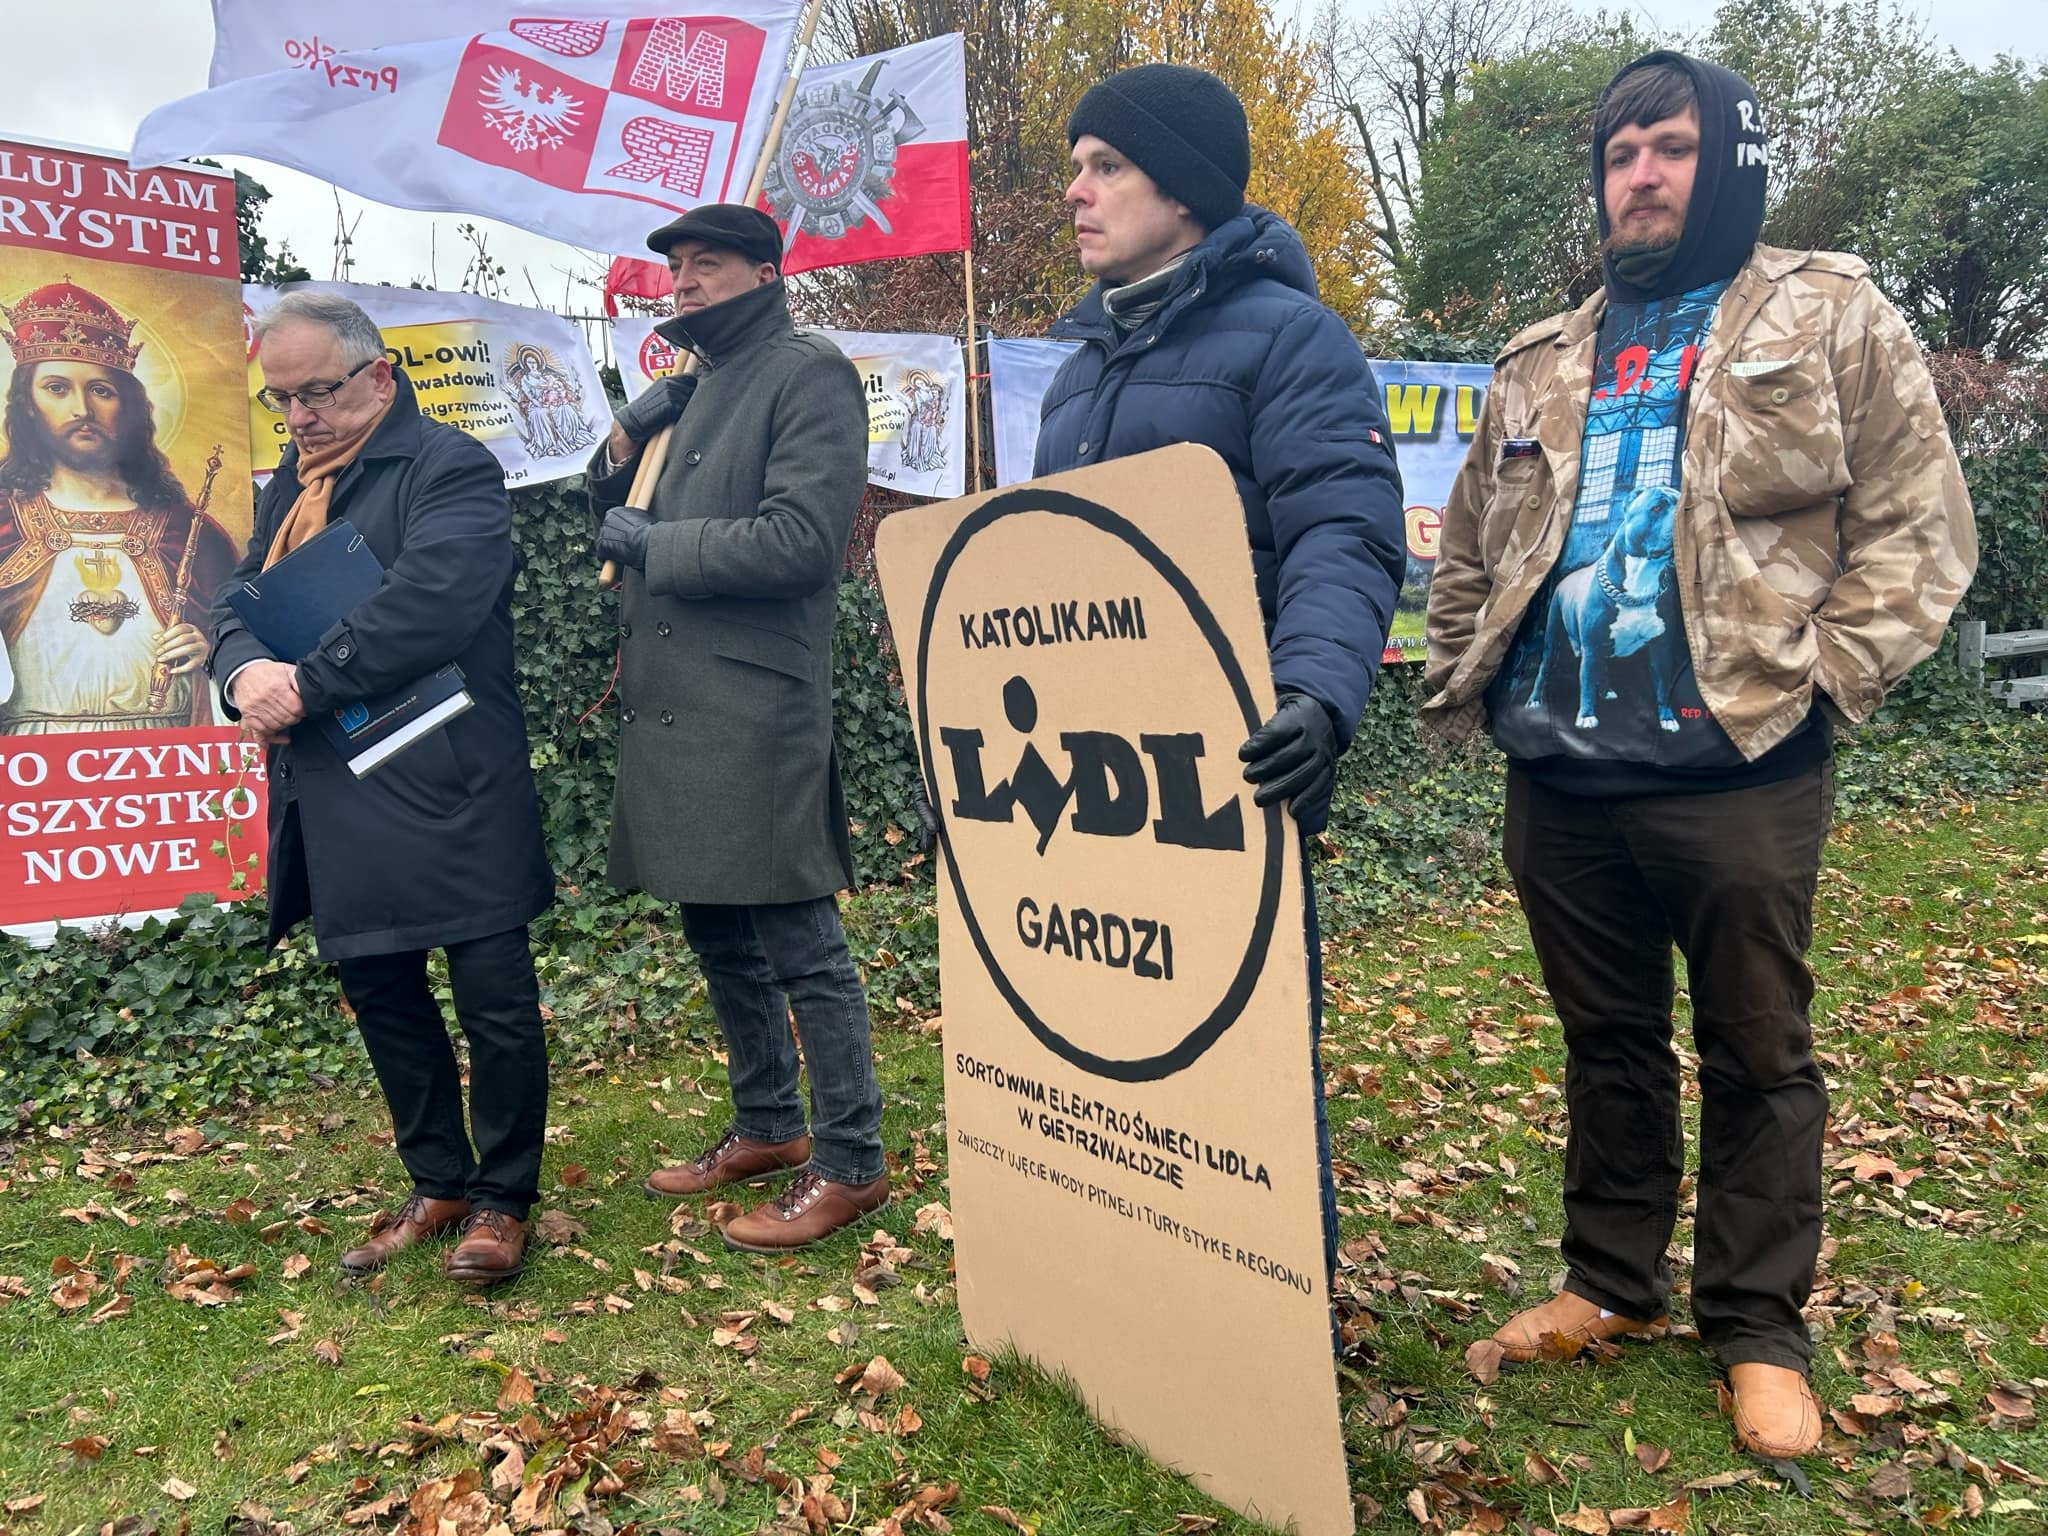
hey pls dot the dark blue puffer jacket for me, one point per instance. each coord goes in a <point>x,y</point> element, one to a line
<point>1242,358</point>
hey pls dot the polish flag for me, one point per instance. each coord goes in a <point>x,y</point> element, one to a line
<point>873,161</point>
<point>631,277</point>
<point>872,165</point>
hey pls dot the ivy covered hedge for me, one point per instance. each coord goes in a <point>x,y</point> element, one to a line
<point>195,1017</point>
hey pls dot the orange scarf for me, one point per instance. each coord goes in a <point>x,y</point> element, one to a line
<point>317,472</point>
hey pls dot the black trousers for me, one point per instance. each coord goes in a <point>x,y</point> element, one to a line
<point>497,1003</point>
<point>1608,887</point>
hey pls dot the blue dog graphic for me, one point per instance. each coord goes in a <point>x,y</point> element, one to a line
<point>1607,609</point>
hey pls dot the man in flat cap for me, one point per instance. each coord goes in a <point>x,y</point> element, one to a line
<point>728,797</point>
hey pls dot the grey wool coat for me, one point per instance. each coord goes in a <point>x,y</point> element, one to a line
<point>728,786</point>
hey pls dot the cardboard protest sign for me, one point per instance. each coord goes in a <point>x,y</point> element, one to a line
<point>1128,1081</point>
<point>124,505</point>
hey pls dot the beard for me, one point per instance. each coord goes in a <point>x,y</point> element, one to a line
<point>1662,236</point>
<point>88,450</point>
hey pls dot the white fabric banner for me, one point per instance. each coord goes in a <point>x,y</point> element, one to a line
<point>916,388</point>
<point>520,381</point>
<point>255,37</point>
<point>1019,373</point>
<point>587,131</point>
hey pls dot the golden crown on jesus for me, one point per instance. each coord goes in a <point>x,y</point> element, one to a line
<point>63,322</point>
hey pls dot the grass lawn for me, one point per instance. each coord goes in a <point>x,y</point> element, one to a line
<point>176,1345</point>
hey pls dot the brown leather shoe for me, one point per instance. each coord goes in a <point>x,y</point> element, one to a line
<point>1775,1411</point>
<point>812,1207</point>
<point>392,1232</point>
<point>733,1161</point>
<point>493,1248</point>
<point>1575,1322</point>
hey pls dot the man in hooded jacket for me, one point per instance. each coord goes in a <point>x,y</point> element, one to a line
<point>1204,327</point>
<point>1707,513</point>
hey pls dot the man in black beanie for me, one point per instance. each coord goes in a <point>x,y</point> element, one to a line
<point>1707,511</point>
<point>1203,327</point>
<point>728,799</point>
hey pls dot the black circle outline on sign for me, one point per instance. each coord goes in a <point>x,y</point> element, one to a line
<point>1165,1064</point>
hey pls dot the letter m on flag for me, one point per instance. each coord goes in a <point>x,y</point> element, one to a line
<point>687,70</point>
<point>695,66</point>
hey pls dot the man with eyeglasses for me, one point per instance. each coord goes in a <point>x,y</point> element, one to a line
<point>430,502</point>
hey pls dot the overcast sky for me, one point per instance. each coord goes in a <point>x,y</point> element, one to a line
<point>93,88</point>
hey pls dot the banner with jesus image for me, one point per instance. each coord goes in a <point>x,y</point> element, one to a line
<point>124,505</point>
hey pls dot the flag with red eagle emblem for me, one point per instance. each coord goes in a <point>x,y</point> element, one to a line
<point>587,129</point>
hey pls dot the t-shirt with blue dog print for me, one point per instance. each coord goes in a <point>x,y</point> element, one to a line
<point>1599,671</point>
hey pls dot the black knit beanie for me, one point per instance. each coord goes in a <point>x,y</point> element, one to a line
<point>1182,127</point>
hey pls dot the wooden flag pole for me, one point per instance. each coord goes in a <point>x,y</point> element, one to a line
<point>651,462</point>
<point>973,368</point>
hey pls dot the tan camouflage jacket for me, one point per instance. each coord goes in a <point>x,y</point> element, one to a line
<point>1823,533</point>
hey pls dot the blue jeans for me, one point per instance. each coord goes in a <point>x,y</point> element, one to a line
<point>763,965</point>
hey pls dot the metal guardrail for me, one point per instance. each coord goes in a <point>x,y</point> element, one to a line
<point>1974,648</point>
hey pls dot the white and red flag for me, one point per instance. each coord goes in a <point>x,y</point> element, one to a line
<point>591,130</point>
<point>872,165</point>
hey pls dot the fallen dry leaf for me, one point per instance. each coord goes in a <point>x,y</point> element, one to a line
<point>296,1265</point>
<point>880,1378</point>
<point>975,1367</point>
<point>518,1389</point>
<point>1893,1480</point>
<point>26,1505</point>
<point>1016,1522</point>
<point>1651,1458</point>
<point>559,1228</point>
<point>327,1352</point>
<point>85,1448</point>
<point>181,1491</point>
<point>1720,1480</point>
<point>1483,1359</point>
<point>1675,1516</point>
<point>1592,1522</point>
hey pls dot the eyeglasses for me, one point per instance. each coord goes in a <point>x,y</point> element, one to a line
<point>314,397</point>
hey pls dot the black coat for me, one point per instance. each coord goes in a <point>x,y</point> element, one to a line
<point>442,843</point>
<point>728,789</point>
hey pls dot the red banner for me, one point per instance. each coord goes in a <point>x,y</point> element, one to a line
<point>124,506</point>
<point>108,823</point>
<point>93,205</point>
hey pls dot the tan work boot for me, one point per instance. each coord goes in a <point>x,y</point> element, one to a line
<point>1775,1411</point>
<point>811,1208</point>
<point>493,1248</point>
<point>1574,1321</point>
<point>733,1161</point>
<point>392,1232</point>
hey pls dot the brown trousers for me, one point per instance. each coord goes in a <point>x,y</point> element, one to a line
<point>1609,886</point>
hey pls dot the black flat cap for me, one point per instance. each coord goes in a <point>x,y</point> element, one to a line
<point>730,226</point>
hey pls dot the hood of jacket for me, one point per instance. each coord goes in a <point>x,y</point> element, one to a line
<point>1725,217</point>
<point>1254,244</point>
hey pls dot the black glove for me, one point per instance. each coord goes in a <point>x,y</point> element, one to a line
<point>927,818</point>
<point>1293,757</point>
<point>624,537</point>
<point>659,405</point>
